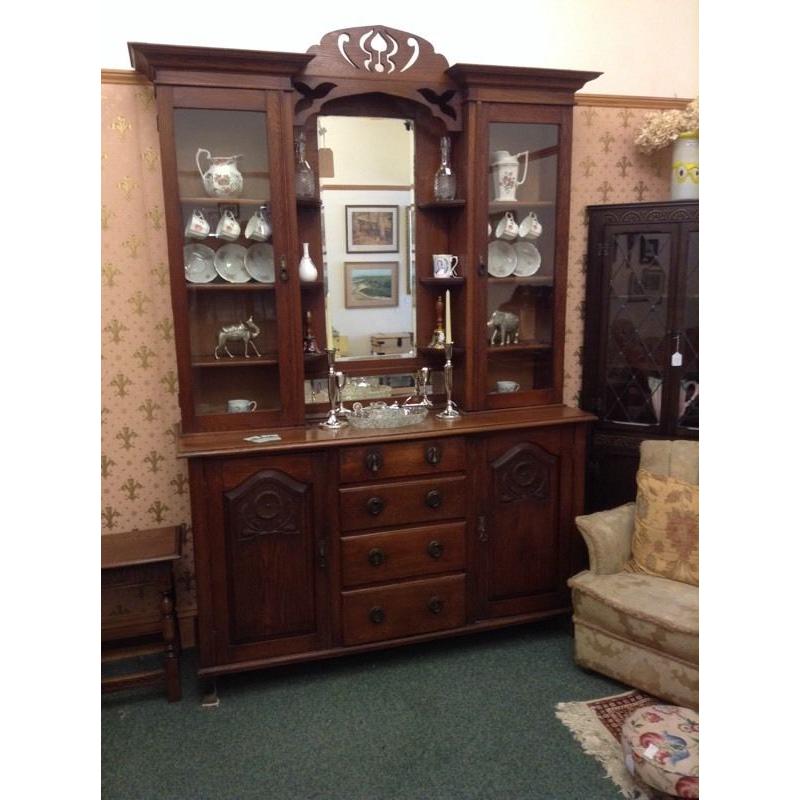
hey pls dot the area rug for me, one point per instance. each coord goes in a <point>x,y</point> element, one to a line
<point>597,724</point>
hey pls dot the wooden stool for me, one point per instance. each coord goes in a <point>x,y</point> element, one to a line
<point>141,561</point>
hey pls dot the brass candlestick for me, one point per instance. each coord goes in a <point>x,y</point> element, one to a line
<point>332,422</point>
<point>450,410</point>
<point>437,340</point>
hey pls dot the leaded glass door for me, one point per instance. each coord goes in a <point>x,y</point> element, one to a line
<point>638,265</point>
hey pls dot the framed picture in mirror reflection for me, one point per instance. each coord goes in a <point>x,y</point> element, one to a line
<point>370,285</point>
<point>372,229</point>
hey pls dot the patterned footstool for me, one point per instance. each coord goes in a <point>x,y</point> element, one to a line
<point>661,745</point>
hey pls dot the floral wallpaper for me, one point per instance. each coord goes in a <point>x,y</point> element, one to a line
<point>143,484</point>
<point>606,168</point>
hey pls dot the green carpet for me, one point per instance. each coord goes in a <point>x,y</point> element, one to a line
<point>450,720</point>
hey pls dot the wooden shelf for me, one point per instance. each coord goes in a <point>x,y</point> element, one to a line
<point>496,206</point>
<point>230,287</point>
<point>522,347</point>
<point>309,202</point>
<point>267,360</point>
<point>318,284</point>
<point>446,282</point>
<point>430,351</point>
<point>533,280</point>
<point>441,204</point>
<point>224,201</point>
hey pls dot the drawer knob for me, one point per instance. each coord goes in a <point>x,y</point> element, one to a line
<point>435,605</point>
<point>373,461</point>
<point>377,615</point>
<point>435,549</point>
<point>433,455</point>
<point>376,556</point>
<point>375,505</point>
<point>433,499</point>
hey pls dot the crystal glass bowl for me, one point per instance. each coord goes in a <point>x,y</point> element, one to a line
<point>379,415</point>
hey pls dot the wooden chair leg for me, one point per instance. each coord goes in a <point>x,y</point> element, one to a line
<point>171,647</point>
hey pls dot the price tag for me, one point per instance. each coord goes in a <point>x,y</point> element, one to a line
<point>677,359</point>
<point>651,750</point>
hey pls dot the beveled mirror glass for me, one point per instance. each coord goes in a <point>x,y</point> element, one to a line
<point>367,193</point>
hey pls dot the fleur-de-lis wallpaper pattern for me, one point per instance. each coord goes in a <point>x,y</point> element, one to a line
<point>143,484</point>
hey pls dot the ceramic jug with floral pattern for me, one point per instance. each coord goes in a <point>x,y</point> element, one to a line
<point>222,178</point>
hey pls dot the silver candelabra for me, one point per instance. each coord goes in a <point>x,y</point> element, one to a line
<point>332,422</point>
<point>450,410</point>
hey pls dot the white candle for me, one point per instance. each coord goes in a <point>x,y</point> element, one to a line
<point>448,333</point>
<point>328,326</point>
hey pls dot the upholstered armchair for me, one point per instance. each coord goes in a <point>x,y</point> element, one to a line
<point>638,628</point>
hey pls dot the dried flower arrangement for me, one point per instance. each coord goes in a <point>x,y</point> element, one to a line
<point>663,128</point>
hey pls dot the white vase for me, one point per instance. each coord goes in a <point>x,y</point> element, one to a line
<point>686,167</point>
<point>308,272</point>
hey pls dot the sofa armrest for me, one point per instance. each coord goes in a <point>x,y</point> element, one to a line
<point>608,536</point>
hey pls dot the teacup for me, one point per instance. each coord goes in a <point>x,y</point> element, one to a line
<point>239,406</point>
<point>530,228</point>
<point>444,266</point>
<point>197,227</point>
<point>228,227</point>
<point>504,387</point>
<point>507,228</point>
<point>258,229</point>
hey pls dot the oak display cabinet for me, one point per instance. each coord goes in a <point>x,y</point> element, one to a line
<point>641,374</point>
<point>321,543</point>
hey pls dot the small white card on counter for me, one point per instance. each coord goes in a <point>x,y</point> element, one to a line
<point>262,438</point>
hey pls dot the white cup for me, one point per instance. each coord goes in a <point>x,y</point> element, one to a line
<point>504,387</point>
<point>197,227</point>
<point>258,229</point>
<point>228,227</point>
<point>444,266</point>
<point>530,228</point>
<point>507,228</point>
<point>239,406</point>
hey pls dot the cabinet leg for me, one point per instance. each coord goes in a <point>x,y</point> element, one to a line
<point>208,690</point>
<point>172,667</point>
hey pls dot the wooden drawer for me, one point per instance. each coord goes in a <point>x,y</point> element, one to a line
<point>407,553</point>
<point>402,609</point>
<point>402,503</point>
<point>400,460</point>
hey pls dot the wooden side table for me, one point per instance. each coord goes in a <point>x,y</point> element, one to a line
<point>140,562</point>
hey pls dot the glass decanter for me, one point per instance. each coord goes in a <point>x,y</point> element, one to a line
<point>444,182</point>
<point>303,174</point>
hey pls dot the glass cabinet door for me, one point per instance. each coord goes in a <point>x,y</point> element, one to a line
<point>520,307</point>
<point>687,341</point>
<point>636,276</point>
<point>233,308</point>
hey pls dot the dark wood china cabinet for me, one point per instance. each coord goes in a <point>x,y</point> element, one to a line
<point>641,373</point>
<point>321,542</point>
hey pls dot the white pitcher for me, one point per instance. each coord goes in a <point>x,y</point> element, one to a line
<point>505,175</point>
<point>222,178</point>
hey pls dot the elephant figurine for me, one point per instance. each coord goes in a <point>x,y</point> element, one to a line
<point>505,325</point>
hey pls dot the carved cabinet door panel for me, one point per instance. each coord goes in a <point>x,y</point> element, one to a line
<point>522,531</point>
<point>268,552</point>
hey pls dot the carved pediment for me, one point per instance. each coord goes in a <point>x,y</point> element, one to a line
<point>376,51</point>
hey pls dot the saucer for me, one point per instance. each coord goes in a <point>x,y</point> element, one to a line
<point>229,263</point>
<point>529,259</point>
<point>502,259</point>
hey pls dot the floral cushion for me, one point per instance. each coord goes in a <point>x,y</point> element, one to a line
<point>666,528</point>
<point>661,746</point>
